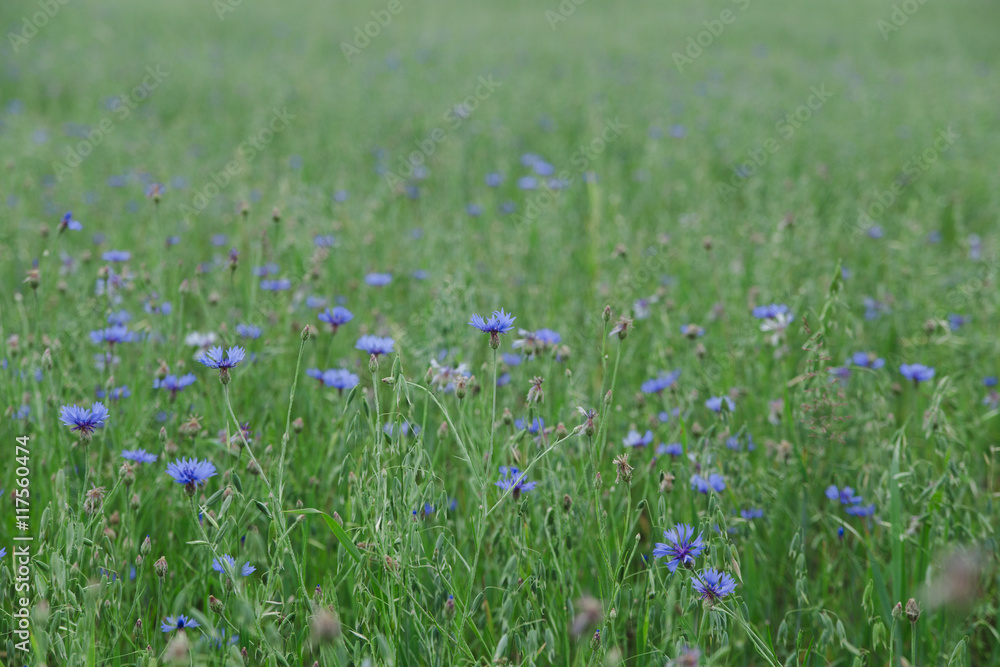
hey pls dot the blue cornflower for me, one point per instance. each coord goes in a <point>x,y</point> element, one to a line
<point>875,232</point>
<point>83,420</point>
<point>375,345</point>
<point>215,358</point>
<point>265,270</point>
<point>138,455</point>
<point>845,495</point>
<point>956,321</point>
<point>115,394</point>
<point>543,168</point>
<point>770,312</point>
<point>119,318</point>
<point>682,547</point>
<point>692,331</point>
<point>498,323</point>
<point>513,478</point>
<point>378,279</point>
<point>715,481</point>
<point>219,240</point>
<point>867,360</point>
<point>916,372</point>
<point>325,241</point>
<point>494,179</point>
<point>527,182</point>
<point>68,222</point>
<point>861,510</point>
<point>182,622</point>
<point>475,210</point>
<point>536,426</point>
<point>658,384</point>
<point>336,317</point>
<point>406,429</point>
<point>279,285</point>
<point>674,449</point>
<point>503,380</point>
<point>315,302</point>
<point>339,378</point>
<point>246,570</point>
<point>715,403</point>
<point>111,335</point>
<point>874,308</point>
<point>191,472</point>
<point>733,443</point>
<point>633,439</point>
<point>219,641</point>
<point>713,584</point>
<point>173,383</point>
<point>515,359</point>
<point>752,513</point>
<point>842,373</point>
<point>3,552</point>
<point>341,196</point>
<point>248,331</point>
<point>990,381</point>
<point>116,256</point>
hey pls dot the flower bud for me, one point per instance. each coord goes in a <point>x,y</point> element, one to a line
<point>146,546</point>
<point>912,610</point>
<point>161,567</point>
<point>607,314</point>
<point>305,333</point>
<point>372,363</point>
<point>897,611</point>
<point>595,641</point>
<point>215,604</point>
<point>298,425</point>
<point>567,503</point>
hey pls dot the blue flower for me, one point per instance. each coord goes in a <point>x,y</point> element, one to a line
<point>215,358</point>
<point>246,570</point>
<point>174,383</point>
<point>681,547</point>
<point>715,481</point>
<point>115,394</point>
<point>111,335</point>
<point>874,308</point>
<point>266,270</point>
<point>341,196</point>
<point>279,285</point>
<point>692,331</point>
<point>916,372</point>
<point>116,256</point>
<point>715,403</point>
<point>658,384</point>
<point>527,182</point>
<point>498,323</point>
<point>867,360</point>
<point>512,478</point>
<point>770,311</point>
<point>494,179</point>
<point>752,513</point>
<point>633,439</point>
<point>713,584</point>
<point>339,378</point>
<point>83,420</point>
<point>325,241</point>
<point>315,302</point>
<point>375,345</point>
<point>336,317</point>
<point>475,210</point>
<point>845,496</point>
<point>180,623</point>
<point>990,381</point>
<point>3,552</point>
<point>138,455</point>
<point>248,331</point>
<point>191,472</point>
<point>378,279</point>
<point>842,373</point>
<point>861,510</point>
<point>537,425</point>
<point>68,222</point>
<point>674,449</point>
<point>956,321</point>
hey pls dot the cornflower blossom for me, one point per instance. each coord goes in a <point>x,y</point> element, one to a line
<point>712,584</point>
<point>512,479</point>
<point>498,323</point>
<point>681,546</point>
<point>336,317</point>
<point>634,439</point>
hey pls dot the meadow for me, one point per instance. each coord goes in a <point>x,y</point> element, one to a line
<point>522,333</point>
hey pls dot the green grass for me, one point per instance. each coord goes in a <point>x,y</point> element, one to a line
<point>334,523</point>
